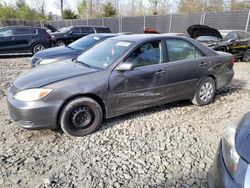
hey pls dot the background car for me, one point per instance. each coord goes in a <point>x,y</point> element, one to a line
<point>236,42</point>
<point>231,166</point>
<point>72,50</point>
<point>70,34</point>
<point>120,75</point>
<point>23,39</point>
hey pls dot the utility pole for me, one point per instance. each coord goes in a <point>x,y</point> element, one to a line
<point>62,8</point>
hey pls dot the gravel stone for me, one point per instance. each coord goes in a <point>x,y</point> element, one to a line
<point>171,145</point>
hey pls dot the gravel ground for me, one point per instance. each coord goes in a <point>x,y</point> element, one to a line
<point>171,145</point>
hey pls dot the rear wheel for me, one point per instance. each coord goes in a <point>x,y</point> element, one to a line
<point>205,92</point>
<point>81,117</point>
<point>38,47</point>
<point>60,43</point>
<point>246,57</point>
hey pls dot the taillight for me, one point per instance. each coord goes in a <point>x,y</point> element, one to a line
<point>233,60</point>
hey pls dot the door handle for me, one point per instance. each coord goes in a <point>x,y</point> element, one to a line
<point>160,73</point>
<point>203,64</point>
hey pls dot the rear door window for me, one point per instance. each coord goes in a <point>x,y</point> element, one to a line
<point>102,30</point>
<point>22,31</point>
<point>178,50</point>
<point>76,30</point>
<point>6,32</point>
<point>87,30</point>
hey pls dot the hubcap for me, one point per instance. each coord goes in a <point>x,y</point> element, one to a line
<point>81,117</point>
<point>206,92</point>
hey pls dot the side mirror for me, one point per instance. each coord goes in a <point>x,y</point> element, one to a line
<point>125,66</point>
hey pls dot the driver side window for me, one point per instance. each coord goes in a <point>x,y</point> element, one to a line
<point>147,54</point>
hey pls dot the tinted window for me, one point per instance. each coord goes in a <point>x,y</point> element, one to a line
<point>6,32</point>
<point>181,50</point>
<point>33,31</point>
<point>104,53</point>
<point>76,30</point>
<point>102,30</point>
<point>85,42</point>
<point>22,31</point>
<point>88,30</point>
<point>147,54</point>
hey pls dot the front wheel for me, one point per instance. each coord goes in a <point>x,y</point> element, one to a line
<point>81,116</point>
<point>205,92</point>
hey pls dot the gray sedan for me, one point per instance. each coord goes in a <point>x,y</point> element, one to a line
<point>120,75</point>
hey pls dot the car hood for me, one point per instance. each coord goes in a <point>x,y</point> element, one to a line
<point>50,27</point>
<point>243,138</point>
<point>50,73</point>
<point>202,30</point>
<point>57,52</point>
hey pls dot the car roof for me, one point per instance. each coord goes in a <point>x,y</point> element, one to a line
<point>21,27</point>
<point>142,37</point>
<point>104,34</point>
<point>228,31</point>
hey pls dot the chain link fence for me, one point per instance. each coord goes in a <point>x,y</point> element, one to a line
<point>172,23</point>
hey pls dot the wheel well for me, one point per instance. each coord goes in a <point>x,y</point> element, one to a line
<point>214,78</point>
<point>92,96</point>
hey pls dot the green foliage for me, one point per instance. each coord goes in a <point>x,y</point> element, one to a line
<point>82,8</point>
<point>69,14</point>
<point>108,10</point>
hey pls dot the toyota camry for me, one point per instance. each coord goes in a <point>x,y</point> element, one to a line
<point>120,75</point>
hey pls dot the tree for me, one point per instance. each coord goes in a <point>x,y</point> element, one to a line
<point>41,6</point>
<point>62,8</point>
<point>69,14</point>
<point>153,4</point>
<point>82,9</point>
<point>108,10</point>
<point>236,5</point>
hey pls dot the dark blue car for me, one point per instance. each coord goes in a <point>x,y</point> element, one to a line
<point>72,50</point>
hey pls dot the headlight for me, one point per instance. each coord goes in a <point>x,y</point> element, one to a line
<point>32,94</point>
<point>47,61</point>
<point>230,155</point>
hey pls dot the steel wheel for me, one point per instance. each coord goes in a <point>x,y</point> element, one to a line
<point>82,117</point>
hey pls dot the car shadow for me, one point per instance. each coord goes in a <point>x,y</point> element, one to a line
<point>10,56</point>
<point>235,86</point>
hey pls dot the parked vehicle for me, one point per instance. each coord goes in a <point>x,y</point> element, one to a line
<point>16,39</point>
<point>50,28</point>
<point>120,75</point>
<point>71,51</point>
<point>70,34</point>
<point>236,42</point>
<point>231,167</point>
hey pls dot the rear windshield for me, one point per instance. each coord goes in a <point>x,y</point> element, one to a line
<point>102,30</point>
<point>85,42</point>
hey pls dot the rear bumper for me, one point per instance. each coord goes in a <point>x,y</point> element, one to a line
<point>224,79</point>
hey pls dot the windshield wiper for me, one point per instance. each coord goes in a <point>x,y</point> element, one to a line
<point>80,62</point>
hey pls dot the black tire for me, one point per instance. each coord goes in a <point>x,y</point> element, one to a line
<point>38,47</point>
<point>205,92</point>
<point>60,43</point>
<point>81,116</point>
<point>246,57</point>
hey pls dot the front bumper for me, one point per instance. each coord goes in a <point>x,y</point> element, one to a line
<point>33,115</point>
<point>218,176</point>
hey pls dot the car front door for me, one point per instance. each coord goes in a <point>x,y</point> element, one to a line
<point>142,86</point>
<point>185,67</point>
<point>7,40</point>
<point>74,34</point>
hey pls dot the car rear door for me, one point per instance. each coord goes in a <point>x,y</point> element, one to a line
<point>145,84</point>
<point>87,30</point>
<point>24,38</point>
<point>7,40</point>
<point>185,67</point>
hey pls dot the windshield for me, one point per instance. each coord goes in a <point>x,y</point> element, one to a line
<point>85,42</point>
<point>105,53</point>
<point>64,29</point>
